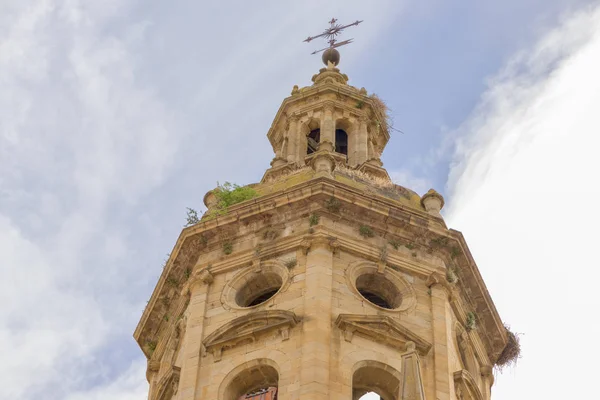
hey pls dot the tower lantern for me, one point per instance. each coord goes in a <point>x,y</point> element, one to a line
<point>328,281</point>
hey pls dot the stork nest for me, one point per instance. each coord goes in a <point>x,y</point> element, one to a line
<point>382,110</point>
<point>511,352</point>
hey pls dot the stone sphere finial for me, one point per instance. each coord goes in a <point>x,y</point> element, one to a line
<point>331,56</point>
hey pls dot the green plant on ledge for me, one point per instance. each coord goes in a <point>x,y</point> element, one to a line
<point>471,323</point>
<point>151,346</point>
<point>333,205</point>
<point>191,217</point>
<point>229,194</point>
<point>451,275</point>
<point>227,247</point>
<point>366,231</point>
<point>394,243</point>
<point>171,281</point>
<point>313,219</point>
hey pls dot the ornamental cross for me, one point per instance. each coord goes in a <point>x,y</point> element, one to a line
<point>330,34</point>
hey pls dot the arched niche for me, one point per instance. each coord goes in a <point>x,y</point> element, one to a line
<point>249,377</point>
<point>375,376</point>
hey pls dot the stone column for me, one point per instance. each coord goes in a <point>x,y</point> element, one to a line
<point>327,141</point>
<point>353,144</point>
<point>317,321</point>
<point>292,138</point>
<point>198,286</point>
<point>440,307</point>
<point>362,138</point>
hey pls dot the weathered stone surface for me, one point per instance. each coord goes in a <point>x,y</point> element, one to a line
<point>338,283</point>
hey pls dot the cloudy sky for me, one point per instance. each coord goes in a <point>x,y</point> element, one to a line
<point>116,115</point>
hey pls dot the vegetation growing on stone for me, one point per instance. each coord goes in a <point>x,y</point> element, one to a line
<point>451,275</point>
<point>395,244</point>
<point>471,323</point>
<point>291,263</point>
<point>313,219</point>
<point>229,194</point>
<point>333,205</point>
<point>191,217</point>
<point>227,247</point>
<point>172,281</point>
<point>366,231</point>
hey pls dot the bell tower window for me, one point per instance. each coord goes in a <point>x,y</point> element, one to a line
<point>341,141</point>
<point>313,139</point>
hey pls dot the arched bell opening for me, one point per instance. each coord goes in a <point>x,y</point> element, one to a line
<point>372,379</point>
<point>254,380</point>
<point>341,142</point>
<point>313,139</point>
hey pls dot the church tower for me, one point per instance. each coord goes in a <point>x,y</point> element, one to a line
<point>325,280</point>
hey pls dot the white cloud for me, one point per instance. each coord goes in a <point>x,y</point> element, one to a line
<point>127,386</point>
<point>524,191</point>
<point>406,178</point>
<point>89,129</point>
<point>77,135</point>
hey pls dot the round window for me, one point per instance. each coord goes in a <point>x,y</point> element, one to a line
<point>258,289</point>
<point>251,287</point>
<point>378,290</point>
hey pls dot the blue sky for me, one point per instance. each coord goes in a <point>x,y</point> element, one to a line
<point>117,115</point>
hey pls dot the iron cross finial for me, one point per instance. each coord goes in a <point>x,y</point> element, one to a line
<point>331,33</point>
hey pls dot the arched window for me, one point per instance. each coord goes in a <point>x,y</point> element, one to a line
<point>341,141</point>
<point>313,139</point>
<point>254,380</point>
<point>372,379</point>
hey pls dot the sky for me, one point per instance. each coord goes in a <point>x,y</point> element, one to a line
<point>117,115</point>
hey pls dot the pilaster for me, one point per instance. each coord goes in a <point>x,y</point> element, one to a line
<point>198,287</point>
<point>317,327</point>
<point>293,140</point>
<point>327,128</point>
<point>362,142</point>
<point>440,308</point>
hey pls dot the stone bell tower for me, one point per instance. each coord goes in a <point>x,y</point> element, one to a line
<point>331,282</point>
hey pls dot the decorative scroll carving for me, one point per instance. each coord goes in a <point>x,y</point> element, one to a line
<point>167,385</point>
<point>465,386</point>
<point>247,328</point>
<point>381,329</point>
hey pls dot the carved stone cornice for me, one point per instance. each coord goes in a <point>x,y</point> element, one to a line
<point>381,329</point>
<point>247,328</point>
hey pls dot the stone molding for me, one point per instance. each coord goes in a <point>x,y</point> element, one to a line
<point>247,328</point>
<point>381,329</point>
<point>465,386</point>
<point>167,384</point>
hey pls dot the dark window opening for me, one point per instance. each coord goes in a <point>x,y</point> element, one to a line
<point>313,139</point>
<point>261,298</point>
<point>375,299</point>
<point>341,141</point>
